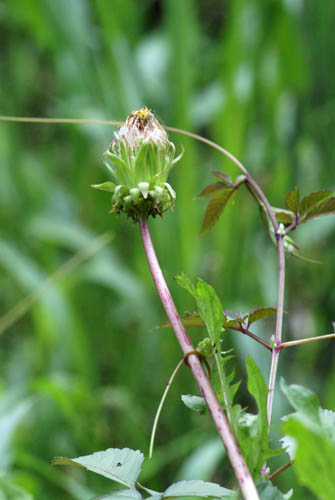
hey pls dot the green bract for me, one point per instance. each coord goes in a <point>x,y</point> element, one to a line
<point>140,159</point>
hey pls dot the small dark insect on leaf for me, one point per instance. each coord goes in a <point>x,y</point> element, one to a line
<point>118,464</point>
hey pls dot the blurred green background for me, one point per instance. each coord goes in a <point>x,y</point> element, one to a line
<point>82,370</point>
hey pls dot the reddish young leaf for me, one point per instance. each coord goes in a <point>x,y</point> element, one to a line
<point>292,200</point>
<point>326,208</point>
<point>314,201</point>
<point>223,178</point>
<point>215,208</point>
<point>189,321</point>
<point>211,189</point>
<point>260,313</point>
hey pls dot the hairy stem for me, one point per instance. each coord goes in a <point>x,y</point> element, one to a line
<point>279,325</point>
<point>237,461</point>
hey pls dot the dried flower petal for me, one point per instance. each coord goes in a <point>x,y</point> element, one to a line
<point>140,159</point>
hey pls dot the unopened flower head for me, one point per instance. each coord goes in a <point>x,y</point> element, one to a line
<point>141,126</point>
<point>140,159</point>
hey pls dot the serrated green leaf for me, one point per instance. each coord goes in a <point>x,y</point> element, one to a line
<point>292,200</point>
<point>211,189</point>
<point>186,283</point>
<point>234,388</point>
<point>120,465</point>
<point>105,186</point>
<point>325,208</point>
<point>195,403</point>
<point>313,200</point>
<point>125,494</point>
<point>208,303</point>
<point>289,444</point>
<point>261,313</point>
<point>223,177</point>
<point>196,488</point>
<point>214,209</point>
<point>258,388</point>
<point>252,430</point>
<point>267,491</point>
<point>327,421</point>
<point>210,309</point>
<point>314,459</point>
<point>302,399</point>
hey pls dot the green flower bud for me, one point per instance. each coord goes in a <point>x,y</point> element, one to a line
<point>140,159</point>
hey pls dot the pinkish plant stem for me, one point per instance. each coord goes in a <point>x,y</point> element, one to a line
<point>279,325</point>
<point>281,257</point>
<point>240,468</point>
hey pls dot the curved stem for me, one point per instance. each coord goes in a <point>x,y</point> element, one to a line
<point>34,119</point>
<point>160,406</point>
<point>237,461</point>
<point>229,155</point>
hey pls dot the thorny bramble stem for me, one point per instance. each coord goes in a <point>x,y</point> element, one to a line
<point>240,468</point>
